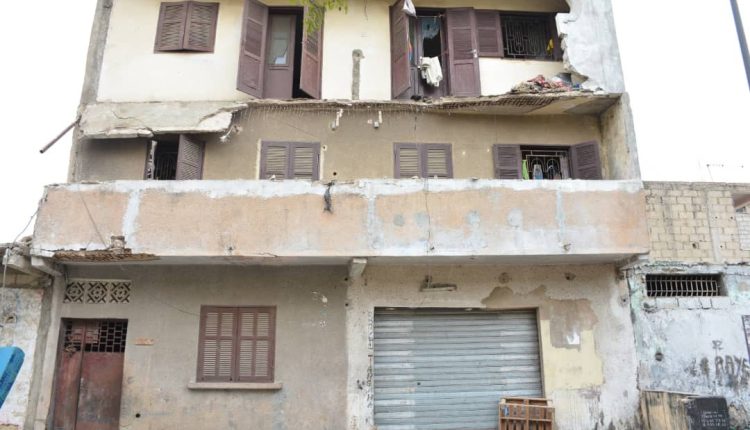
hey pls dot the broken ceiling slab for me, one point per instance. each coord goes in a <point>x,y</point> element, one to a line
<point>129,120</point>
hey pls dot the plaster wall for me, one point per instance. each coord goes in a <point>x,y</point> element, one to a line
<point>165,308</point>
<point>585,332</point>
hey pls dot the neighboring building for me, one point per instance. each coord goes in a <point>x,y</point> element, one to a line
<point>691,298</point>
<point>364,253</point>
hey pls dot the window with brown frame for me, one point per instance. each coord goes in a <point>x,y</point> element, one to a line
<point>422,160</point>
<point>530,36</point>
<point>581,161</point>
<point>236,344</point>
<point>186,26</point>
<point>290,160</point>
<point>175,157</point>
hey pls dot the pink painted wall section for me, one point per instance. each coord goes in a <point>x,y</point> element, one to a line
<point>464,219</point>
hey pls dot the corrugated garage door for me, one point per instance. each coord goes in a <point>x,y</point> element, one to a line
<point>447,369</point>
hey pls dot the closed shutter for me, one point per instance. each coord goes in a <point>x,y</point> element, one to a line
<point>312,59</point>
<point>305,161</point>
<point>407,160</point>
<point>507,160</point>
<point>255,343</point>
<point>290,160</point>
<point>437,160</point>
<point>274,160</point>
<point>585,161</point>
<point>216,354</point>
<point>489,36</point>
<point>463,52</point>
<point>253,49</point>
<point>400,81</point>
<point>201,26</point>
<point>190,158</point>
<point>170,32</point>
<point>449,369</point>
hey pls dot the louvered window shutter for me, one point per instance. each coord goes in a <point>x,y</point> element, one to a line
<point>507,161</point>
<point>489,36</point>
<point>407,160</point>
<point>305,163</point>
<point>200,31</point>
<point>436,160</point>
<point>274,160</point>
<point>253,50</point>
<point>400,75</point>
<point>256,344</point>
<point>312,59</point>
<point>170,32</point>
<point>585,161</point>
<point>216,354</point>
<point>463,52</point>
<point>190,158</point>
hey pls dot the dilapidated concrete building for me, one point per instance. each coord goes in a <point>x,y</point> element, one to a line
<point>271,225</point>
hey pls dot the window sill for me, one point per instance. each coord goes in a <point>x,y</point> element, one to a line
<point>257,386</point>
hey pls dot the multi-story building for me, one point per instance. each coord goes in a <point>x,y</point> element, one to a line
<point>283,218</point>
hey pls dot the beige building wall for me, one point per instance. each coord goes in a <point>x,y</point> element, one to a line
<point>131,70</point>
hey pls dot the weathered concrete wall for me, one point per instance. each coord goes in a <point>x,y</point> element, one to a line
<point>462,219</point>
<point>620,153</point>
<point>694,222</point>
<point>165,306</point>
<point>585,332</point>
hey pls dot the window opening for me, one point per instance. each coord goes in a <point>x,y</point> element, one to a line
<point>527,36</point>
<point>426,41</point>
<point>164,160</point>
<point>545,163</point>
<point>683,285</point>
<point>284,54</point>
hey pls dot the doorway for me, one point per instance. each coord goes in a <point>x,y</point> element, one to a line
<point>427,31</point>
<point>284,54</point>
<point>88,379</point>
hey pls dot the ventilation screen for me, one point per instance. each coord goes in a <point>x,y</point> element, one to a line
<point>683,285</point>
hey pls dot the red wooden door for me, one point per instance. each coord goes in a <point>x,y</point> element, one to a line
<point>89,375</point>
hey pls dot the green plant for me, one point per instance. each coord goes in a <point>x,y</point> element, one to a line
<point>316,9</point>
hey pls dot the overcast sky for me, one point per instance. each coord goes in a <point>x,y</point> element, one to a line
<point>681,59</point>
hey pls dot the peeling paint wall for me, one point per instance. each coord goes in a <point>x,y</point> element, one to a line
<point>585,332</point>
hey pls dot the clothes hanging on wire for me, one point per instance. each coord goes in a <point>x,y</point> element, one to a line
<point>432,72</point>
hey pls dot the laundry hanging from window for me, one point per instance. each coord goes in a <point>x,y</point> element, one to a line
<point>432,73</point>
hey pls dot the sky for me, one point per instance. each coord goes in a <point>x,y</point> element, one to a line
<point>681,60</point>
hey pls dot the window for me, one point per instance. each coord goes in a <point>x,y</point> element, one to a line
<point>530,36</point>
<point>290,160</point>
<point>236,344</point>
<point>175,157</point>
<point>683,285</point>
<point>186,26</point>
<point>279,59</point>
<point>423,160</point>
<point>579,161</point>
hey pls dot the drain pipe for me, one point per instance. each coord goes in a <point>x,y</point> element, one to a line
<point>743,39</point>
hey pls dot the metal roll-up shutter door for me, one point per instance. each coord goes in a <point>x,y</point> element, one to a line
<point>448,369</point>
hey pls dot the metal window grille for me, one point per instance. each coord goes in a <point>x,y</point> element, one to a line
<point>554,163</point>
<point>95,336</point>
<point>527,36</point>
<point>683,285</point>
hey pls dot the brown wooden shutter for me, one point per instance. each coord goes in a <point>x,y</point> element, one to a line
<point>256,340</point>
<point>170,32</point>
<point>436,160</point>
<point>274,160</point>
<point>507,160</point>
<point>407,160</point>
<point>585,161</point>
<point>489,36</point>
<point>253,48</point>
<point>312,60</point>
<point>190,158</point>
<point>216,344</point>
<point>200,31</point>
<point>305,161</point>
<point>400,81</point>
<point>463,52</point>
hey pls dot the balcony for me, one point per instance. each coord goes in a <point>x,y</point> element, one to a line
<point>287,221</point>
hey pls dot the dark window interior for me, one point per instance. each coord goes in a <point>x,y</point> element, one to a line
<point>430,35</point>
<point>545,162</point>
<point>426,30</point>
<point>528,36</point>
<point>690,285</point>
<point>163,155</point>
<point>296,92</point>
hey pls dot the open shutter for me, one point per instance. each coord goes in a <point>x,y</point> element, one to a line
<point>200,31</point>
<point>507,160</point>
<point>170,32</point>
<point>557,53</point>
<point>190,158</point>
<point>255,344</point>
<point>436,160</point>
<point>407,160</point>
<point>305,161</point>
<point>274,160</point>
<point>253,49</point>
<point>585,161</point>
<point>463,52</point>
<point>489,36</point>
<point>400,81</point>
<point>312,59</point>
<point>216,354</point>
